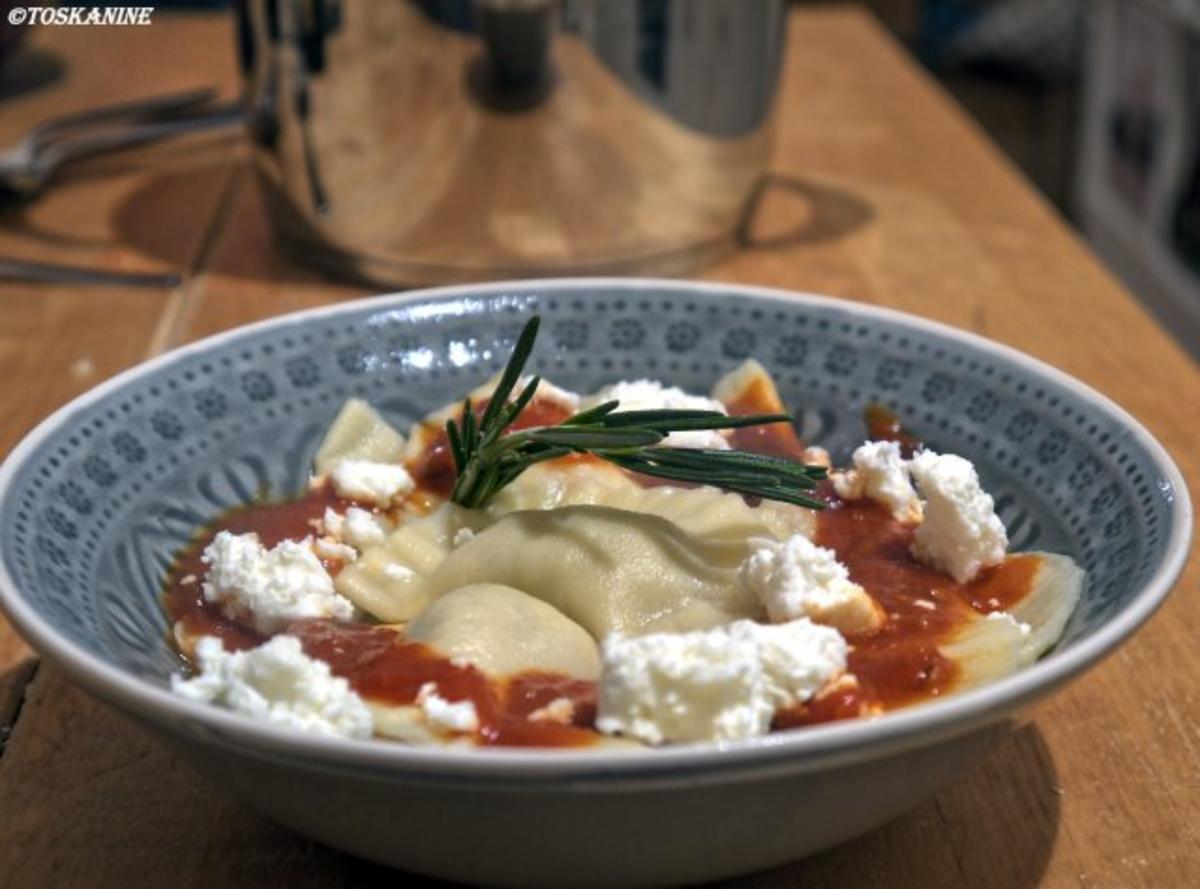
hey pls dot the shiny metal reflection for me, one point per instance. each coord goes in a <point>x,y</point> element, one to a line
<point>409,141</point>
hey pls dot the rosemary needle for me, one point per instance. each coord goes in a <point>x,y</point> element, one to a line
<point>487,456</point>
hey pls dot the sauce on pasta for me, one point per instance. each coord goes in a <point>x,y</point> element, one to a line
<point>898,664</point>
<point>382,667</point>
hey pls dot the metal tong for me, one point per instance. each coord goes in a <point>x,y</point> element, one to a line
<point>27,166</point>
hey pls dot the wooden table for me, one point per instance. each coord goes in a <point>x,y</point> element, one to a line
<point>1103,786</point>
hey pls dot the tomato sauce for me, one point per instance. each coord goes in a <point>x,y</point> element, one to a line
<point>382,667</point>
<point>898,664</point>
<point>883,425</point>
<point>273,522</point>
<point>848,702</point>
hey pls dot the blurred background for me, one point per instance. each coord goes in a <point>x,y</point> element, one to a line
<point>1098,102</point>
<point>1095,101</point>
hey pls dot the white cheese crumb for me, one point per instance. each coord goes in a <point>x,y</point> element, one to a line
<point>881,474</point>
<point>796,578</point>
<point>799,658</point>
<point>712,685</point>
<point>453,716</point>
<point>329,549</point>
<point>845,682</point>
<point>370,482</point>
<point>646,395</point>
<point>277,683</point>
<point>363,529</point>
<point>847,483</point>
<point>961,532</point>
<point>358,527</point>
<point>333,523</point>
<point>269,588</point>
<point>461,536</point>
<point>698,686</point>
<point>560,710</point>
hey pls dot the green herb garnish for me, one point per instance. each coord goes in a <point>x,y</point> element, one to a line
<point>486,457</point>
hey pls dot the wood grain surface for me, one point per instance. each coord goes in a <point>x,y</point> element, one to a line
<point>883,193</point>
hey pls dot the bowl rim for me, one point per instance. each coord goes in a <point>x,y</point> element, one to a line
<point>814,747</point>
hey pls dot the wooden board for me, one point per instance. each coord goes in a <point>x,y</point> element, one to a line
<point>886,194</point>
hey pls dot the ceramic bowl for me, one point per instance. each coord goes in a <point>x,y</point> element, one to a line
<point>94,502</point>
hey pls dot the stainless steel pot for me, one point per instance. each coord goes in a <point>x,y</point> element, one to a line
<point>410,141</point>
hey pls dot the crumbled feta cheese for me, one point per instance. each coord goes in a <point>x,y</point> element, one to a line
<point>329,549</point>
<point>799,658</point>
<point>712,685</point>
<point>560,710</point>
<point>332,523</point>
<point>370,482</point>
<point>269,588</point>
<point>881,474</point>
<point>845,682</point>
<point>461,536</point>
<point>277,683</point>
<point>358,527</point>
<point>961,532</point>
<point>363,529</point>
<point>453,716</point>
<point>682,687</point>
<point>646,395</point>
<point>847,484</point>
<point>796,578</point>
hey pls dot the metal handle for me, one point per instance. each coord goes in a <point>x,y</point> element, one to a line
<point>89,145</point>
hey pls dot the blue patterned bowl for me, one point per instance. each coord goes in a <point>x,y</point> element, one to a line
<point>94,502</point>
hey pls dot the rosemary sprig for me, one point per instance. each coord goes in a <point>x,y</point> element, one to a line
<point>488,457</point>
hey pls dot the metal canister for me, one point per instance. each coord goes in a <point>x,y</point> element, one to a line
<point>412,141</point>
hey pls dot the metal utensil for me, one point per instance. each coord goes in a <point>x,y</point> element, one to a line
<point>56,273</point>
<point>27,166</point>
<point>411,141</point>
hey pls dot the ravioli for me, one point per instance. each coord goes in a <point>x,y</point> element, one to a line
<point>609,570</point>
<point>701,511</point>
<point>388,581</point>
<point>358,433</point>
<point>504,631</point>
